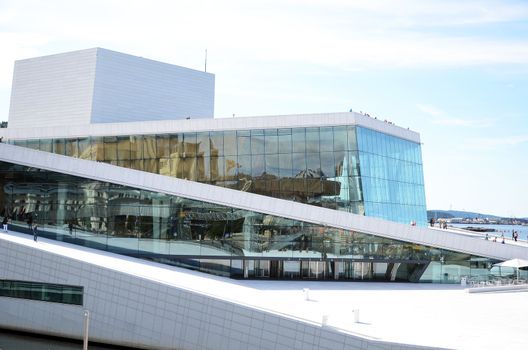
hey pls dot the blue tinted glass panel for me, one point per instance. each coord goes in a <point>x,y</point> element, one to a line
<point>391,176</point>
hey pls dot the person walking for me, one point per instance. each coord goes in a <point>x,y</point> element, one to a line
<point>30,222</point>
<point>35,232</point>
<point>4,223</point>
<point>70,227</point>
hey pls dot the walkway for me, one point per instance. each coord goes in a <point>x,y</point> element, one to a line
<point>423,314</point>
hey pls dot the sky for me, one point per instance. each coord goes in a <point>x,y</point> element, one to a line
<point>455,71</point>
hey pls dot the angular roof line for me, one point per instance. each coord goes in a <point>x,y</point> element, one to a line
<point>209,124</point>
<point>258,203</point>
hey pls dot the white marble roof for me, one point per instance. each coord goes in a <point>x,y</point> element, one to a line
<point>423,314</point>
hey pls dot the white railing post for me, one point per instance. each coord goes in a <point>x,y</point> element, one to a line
<point>86,327</point>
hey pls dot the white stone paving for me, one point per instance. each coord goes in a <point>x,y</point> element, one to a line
<point>422,314</point>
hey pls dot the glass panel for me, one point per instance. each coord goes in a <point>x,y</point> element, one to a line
<point>190,147</point>
<point>85,148</point>
<point>340,138</point>
<point>110,148</point>
<point>163,146</point>
<point>59,146</point>
<point>149,147</point>
<point>137,164</point>
<point>230,143</point>
<point>327,139</point>
<point>202,169</point>
<point>56,293</point>
<point>136,147</point>
<point>124,163</point>
<point>151,165</point>
<point>272,164</point>
<point>243,142</point>
<point>165,166</point>
<point>202,144</point>
<point>189,169</point>
<point>33,144</point>
<point>285,141</point>
<point>391,183</point>
<point>313,165</point>
<point>123,148</point>
<point>312,140</point>
<point>285,165</point>
<point>244,167</point>
<point>272,139</point>
<point>72,149</point>
<point>231,167</point>
<point>216,145</point>
<point>21,143</point>
<point>45,145</point>
<point>257,142</point>
<point>328,169</point>
<point>176,145</point>
<point>97,149</point>
<point>299,164</point>
<point>258,166</point>
<point>217,168</point>
<point>352,142</point>
<point>299,140</point>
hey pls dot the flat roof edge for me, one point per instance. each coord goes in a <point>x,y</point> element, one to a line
<point>211,124</point>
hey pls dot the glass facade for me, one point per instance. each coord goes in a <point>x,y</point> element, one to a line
<point>391,177</point>
<point>55,293</point>
<point>345,167</point>
<point>210,237</point>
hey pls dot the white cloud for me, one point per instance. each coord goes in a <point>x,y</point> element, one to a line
<point>484,123</point>
<point>489,143</point>
<point>440,117</point>
<point>432,13</point>
<point>350,35</point>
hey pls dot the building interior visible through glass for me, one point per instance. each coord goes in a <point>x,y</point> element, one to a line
<point>348,168</point>
<point>215,238</point>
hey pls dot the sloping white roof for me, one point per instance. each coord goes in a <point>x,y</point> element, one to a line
<point>436,315</point>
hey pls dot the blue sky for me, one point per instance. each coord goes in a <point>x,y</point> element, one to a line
<point>455,71</point>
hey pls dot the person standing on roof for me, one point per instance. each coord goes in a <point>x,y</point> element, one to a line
<point>4,222</point>
<point>35,233</point>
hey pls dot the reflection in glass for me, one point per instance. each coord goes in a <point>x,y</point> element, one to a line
<point>336,167</point>
<point>176,230</point>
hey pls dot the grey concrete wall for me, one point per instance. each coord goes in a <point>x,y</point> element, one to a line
<point>131,311</point>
